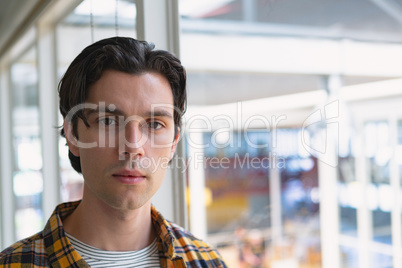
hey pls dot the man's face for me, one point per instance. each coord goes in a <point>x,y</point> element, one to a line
<point>130,139</point>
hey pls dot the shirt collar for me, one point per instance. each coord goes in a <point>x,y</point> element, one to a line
<point>59,247</point>
<point>165,233</point>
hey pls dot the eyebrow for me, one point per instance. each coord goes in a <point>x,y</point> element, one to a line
<point>106,110</point>
<point>157,113</point>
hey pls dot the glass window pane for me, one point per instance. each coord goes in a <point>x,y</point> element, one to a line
<point>348,191</point>
<point>27,179</point>
<point>378,155</point>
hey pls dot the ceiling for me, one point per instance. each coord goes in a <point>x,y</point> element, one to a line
<point>365,20</point>
<point>15,18</point>
<point>375,20</point>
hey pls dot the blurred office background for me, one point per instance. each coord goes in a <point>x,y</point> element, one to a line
<point>292,147</point>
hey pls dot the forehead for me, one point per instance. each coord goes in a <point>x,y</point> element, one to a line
<point>132,92</point>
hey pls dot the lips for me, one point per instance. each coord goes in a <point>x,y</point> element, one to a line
<point>129,176</point>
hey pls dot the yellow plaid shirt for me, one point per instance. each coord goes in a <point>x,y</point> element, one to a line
<point>51,247</point>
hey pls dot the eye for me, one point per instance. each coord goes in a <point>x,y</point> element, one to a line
<point>108,121</point>
<point>154,125</point>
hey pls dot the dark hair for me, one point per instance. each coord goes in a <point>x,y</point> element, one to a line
<point>121,54</point>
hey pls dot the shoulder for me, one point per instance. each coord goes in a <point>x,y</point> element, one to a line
<point>193,249</point>
<point>27,251</point>
<point>178,242</point>
<point>184,237</point>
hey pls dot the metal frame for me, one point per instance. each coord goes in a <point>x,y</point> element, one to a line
<point>48,104</point>
<point>196,181</point>
<point>6,155</point>
<point>329,210</point>
<point>158,22</point>
<point>396,221</point>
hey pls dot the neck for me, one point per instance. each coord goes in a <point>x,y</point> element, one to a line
<point>107,228</point>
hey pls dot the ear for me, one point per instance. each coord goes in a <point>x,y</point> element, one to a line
<point>70,138</point>
<point>174,144</point>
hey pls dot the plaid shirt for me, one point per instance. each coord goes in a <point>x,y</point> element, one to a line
<point>51,247</point>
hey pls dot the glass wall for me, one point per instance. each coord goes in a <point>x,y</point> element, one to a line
<point>241,56</point>
<point>27,177</point>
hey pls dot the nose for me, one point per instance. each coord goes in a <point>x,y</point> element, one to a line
<point>132,141</point>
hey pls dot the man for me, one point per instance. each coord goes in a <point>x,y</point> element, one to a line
<point>122,103</point>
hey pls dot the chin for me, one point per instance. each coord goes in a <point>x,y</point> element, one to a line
<point>128,204</point>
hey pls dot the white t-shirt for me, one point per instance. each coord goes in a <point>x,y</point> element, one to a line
<point>97,258</point>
